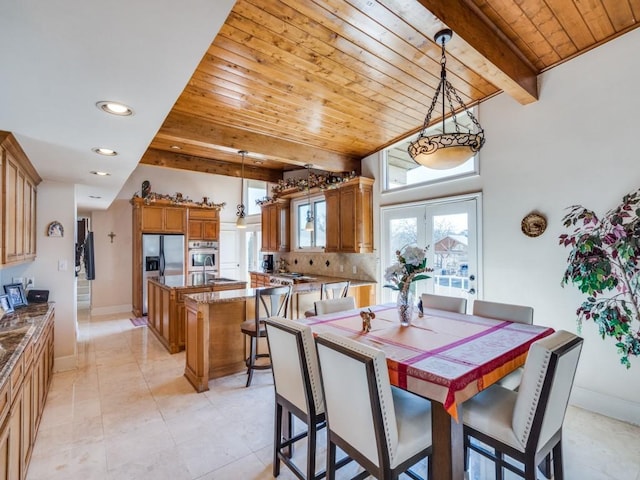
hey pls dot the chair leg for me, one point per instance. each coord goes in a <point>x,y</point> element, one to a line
<point>498,465</point>
<point>311,449</point>
<point>558,469</point>
<point>277,439</point>
<point>331,459</point>
<point>251,360</point>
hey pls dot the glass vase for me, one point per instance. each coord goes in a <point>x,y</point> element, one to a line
<point>406,307</point>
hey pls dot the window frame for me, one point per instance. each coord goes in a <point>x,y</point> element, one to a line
<point>295,240</point>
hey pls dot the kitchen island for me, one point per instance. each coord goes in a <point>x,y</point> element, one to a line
<point>215,346</point>
<point>166,316</point>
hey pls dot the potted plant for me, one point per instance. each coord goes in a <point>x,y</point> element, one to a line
<point>604,263</point>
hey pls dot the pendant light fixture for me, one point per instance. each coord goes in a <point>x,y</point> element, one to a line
<point>309,226</point>
<point>241,222</point>
<point>442,151</point>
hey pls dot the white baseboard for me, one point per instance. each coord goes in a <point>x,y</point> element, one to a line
<point>610,406</point>
<point>63,364</point>
<point>111,310</point>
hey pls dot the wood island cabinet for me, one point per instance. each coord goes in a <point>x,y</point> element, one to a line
<point>275,226</point>
<point>350,217</point>
<point>204,224</point>
<point>19,182</point>
<point>166,317</point>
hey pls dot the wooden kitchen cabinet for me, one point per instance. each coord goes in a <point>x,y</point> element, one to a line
<point>163,219</point>
<point>22,401</point>
<point>350,217</point>
<point>19,181</point>
<point>260,279</point>
<point>275,226</point>
<point>204,224</point>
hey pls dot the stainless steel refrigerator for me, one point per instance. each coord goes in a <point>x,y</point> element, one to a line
<point>162,255</point>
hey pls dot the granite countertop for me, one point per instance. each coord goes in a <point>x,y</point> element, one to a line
<point>311,282</point>
<point>193,280</point>
<point>249,293</point>
<point>16,331</point>
<point>223,296</point>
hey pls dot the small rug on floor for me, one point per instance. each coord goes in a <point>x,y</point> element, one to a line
<point>139,321</point>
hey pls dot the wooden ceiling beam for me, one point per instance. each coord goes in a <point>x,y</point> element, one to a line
<point>161,158</point>
<point>196,129</point>
<point>480,45</point>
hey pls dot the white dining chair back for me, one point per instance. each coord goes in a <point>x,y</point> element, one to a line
<point>298,391</point>
<point>444,302</point>
<point>386,430</point>
<point>526,425</point>
<point>330,290</point>
<point>512,313</point>
<point>334,305</point>
<point>551,364</point>
<point>503,311</point>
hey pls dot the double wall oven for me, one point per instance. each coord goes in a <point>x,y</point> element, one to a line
<point>202,257</point>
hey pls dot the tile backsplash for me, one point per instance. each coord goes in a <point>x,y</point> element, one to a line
<point>356,266</point>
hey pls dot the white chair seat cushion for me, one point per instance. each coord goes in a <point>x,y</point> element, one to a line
<point>511,380</point>
<point>413,418</point>
<point>491,412</point>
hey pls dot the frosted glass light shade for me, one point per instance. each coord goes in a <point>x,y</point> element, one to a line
<point>241,222</point>
<point>445,151</point>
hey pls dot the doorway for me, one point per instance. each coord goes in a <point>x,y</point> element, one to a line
<point>450,228</point>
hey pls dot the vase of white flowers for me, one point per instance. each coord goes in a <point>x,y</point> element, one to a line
<point>410,267</point>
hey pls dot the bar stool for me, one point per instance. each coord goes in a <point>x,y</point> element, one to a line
<point>330,290</point>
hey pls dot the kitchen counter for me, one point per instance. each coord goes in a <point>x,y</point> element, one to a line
<point>17,331</point>
<point>197,280</point>
<point>166,315</point>
<point>306,290</point>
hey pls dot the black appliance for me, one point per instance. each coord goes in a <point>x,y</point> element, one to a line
<point>267,263</point>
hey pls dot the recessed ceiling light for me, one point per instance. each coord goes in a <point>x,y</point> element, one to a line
<point>95,196</point>
<point>105,151</point>
<point>176,147</point>
<point>101,174</point>
<point>115,108</point>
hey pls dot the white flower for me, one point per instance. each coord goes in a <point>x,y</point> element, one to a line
<point>413,255</point>
<point>394,271</point>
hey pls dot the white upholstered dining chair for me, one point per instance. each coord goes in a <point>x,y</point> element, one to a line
<point>526,425</point>
<point>385,429</point>
<point>334,305</point>
<point>444,302</point>
<point>296,380</point>
<point>512,313</point>
<point>329,290</point>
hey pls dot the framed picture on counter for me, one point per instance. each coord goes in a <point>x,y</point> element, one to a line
<point>5,304</point>
<point>15,291</point>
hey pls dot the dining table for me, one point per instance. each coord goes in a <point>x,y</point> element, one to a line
<point>443,356</point>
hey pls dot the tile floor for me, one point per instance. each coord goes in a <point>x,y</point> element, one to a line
<point>128,413</point>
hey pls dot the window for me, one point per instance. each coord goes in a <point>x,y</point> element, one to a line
<point>255,190</point>
<point>316,239</point>
<point>400,170</point>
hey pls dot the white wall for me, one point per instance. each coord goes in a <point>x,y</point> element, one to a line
<point>576,145</point>
<point>193,185</point>
<point>56,201</point>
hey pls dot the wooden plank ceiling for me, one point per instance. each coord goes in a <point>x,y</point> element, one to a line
<point>329,82</point>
